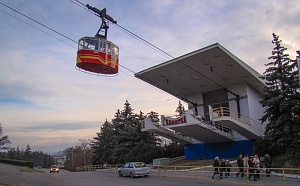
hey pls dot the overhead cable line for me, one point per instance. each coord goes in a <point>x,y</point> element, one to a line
<point>49,29</point>
<point>80,4</point>
<point>120,27</point>
<point>38,22</point>
<point>38,29</point>
<point>155,48</point>
<point>144,41</point>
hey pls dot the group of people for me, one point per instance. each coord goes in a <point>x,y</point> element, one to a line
<point>250,166</point>
<point>221,167</point>
<point>253,165</point>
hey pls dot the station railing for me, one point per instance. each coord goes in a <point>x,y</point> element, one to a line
<point>227,112</point>
<point>281,176</point>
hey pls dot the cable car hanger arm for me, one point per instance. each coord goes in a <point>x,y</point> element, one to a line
<point>101,13</point>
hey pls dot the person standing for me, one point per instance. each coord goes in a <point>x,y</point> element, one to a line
<point>223,169</point>
<point>240,163</point>
<point>216,165</point>
<point>256,163</point>
<point>251,169</point>
<point>246,164</point>
<point>227,169</point>
<point>268,163</point>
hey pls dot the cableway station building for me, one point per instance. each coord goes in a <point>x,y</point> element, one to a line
<point>222,93</point>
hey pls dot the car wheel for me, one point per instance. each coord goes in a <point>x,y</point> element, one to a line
<point>131,175</point>
<point>120,174</point>
<point>146,175</point>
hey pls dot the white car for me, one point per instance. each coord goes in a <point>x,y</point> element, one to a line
<point>134,169</point>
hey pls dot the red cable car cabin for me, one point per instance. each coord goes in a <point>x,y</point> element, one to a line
<point>97,55</point>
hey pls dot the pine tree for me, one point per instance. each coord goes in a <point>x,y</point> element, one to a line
<point>3,139</point>
<point>154,116</point>
<point>117,139</point>
<point>180,109</point>
<point>27,153</point>
<point>148,137</point>
<point>281,99</point>
<point>101,145</point>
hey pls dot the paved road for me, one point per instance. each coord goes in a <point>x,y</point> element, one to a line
<point>11,176</point>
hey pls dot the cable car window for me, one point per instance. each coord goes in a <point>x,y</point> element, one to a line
<point>115,51</point>
<point>80,44</point>
<point>102,46</point>
<point>91,44</point>
<point>108,48</point>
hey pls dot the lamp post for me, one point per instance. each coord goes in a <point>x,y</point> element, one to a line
<point>84,144</point>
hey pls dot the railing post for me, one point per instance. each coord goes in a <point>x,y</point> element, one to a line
<point>284,183</point>
<point>175,172</point>
<point>195,173</point>
<point>158,171</point>
<point>247,174</point>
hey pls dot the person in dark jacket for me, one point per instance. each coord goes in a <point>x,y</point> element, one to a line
<point>251,168</point>
<point>268,163</point>
<point>216,165</point>
<point>240,163</point>
<point>227,169</point>
<point>223,169</point>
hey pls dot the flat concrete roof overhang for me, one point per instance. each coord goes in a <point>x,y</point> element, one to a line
<point>204,70</point>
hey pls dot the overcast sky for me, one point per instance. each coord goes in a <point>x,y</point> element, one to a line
<point>46,102</point>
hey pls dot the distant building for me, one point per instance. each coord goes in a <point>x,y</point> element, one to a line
<point>59,159</point>
<point>222,93</point>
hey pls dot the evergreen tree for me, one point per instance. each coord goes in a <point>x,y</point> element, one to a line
<point>3,139</point>
<point>154,116</point>
<point>27,153</point>
<point>144,152</point>
<point>149,137</point>
<point>125,133</point>
<point>11,154</point>
<point>101,145</point>
<point>18,154</point>
<point>174,149</point>
<point>281,99</point>
<point>180,109</point>
<point>116,140</point>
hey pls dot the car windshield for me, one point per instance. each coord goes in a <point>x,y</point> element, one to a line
<point>140,165</point>
<point>53,166</point>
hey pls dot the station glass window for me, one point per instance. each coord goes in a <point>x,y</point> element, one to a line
<point>216,99</point>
